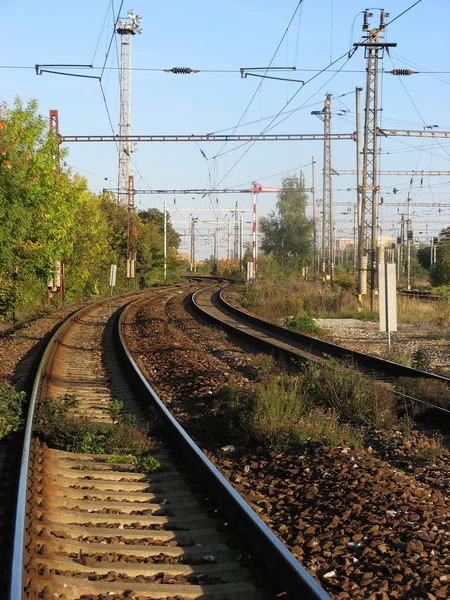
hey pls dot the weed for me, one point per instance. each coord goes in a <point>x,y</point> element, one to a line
<point>11,402</point>
<point>149,464</point>
<point>59,429</point>
<point>355,398</point>
<point>219,334</point>
<point>114,410</point>
<point>430,453</point>
<point>264,362</point>
<point>302,322</point>
<point>421,359</point>
<point>120,459</point>
<point>321,404</point>
<point>428,390</point>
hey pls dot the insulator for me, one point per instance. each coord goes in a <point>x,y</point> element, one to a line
<point>181,70</point>
<point>402,72</point>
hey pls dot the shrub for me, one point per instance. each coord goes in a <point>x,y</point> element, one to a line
<point>149,464</point>
<point>428,390</point>
<point>302,322</point>
<point>59,429</point>
<point>321,404</point>
<point>114,410</point>
<point>11,402</point>
<point>421,359</point>
<point>354,397</point>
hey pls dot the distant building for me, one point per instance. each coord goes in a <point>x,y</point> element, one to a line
<point>343,243</point>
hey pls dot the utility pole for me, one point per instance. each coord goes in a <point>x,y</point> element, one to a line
<point>54,128</point>
<point>241,242</point>
<point>131,231</point>
<point>373,51</point>
<point>327,200</point>
<point>409,236</point>
<point>126,29</point>
<point>192,261</point>
<point>165,242</point>
<point>362,275</point>
<point>313,177</point>
<point>254,232</point>
<point>236,233</point>
<point>228,243</point>
<point>217,242</point>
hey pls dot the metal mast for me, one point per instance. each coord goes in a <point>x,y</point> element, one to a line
<point>327,228</point>
<point>374,50</point>
<point>126,29</point>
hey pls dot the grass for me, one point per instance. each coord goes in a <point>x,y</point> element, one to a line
<point>428,390</point>
<point>56,425</point>
<point>274,300</point>
<point>324,403</point>
<point>264,362</point>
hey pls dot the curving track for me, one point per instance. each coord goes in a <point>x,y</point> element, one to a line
<point>89,528</point>
<point>211,306</point>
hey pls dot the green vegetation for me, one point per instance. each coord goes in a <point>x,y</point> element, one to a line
<point>325,403</point>
<point>114,410</point>
<point>48,215</point>
<point>302,322</point>
<point>421,359</point>
<point>56,425</point>
<point>433,391</point>
<point>11,402</point>
<point>287,233</point>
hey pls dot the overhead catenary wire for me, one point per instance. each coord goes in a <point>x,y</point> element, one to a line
<point>270,64</point>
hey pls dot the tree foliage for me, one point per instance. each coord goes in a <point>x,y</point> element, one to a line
<point>287,232</point>
<point>47,214</point>
<point>440,272</point>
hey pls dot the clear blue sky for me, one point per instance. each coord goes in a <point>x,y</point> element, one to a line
<point>227,35</point>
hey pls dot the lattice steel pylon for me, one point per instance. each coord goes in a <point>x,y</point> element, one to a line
<point>126,29</point>
<point>327,201</point>
<point>374,51</point>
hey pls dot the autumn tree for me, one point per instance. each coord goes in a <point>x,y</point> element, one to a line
<point>287,231</point>
<point>440,271</point>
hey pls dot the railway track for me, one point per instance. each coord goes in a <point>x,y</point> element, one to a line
<point>210,304</point>
<point>89,526</point>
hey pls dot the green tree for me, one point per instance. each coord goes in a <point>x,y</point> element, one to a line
<point>150,246</point>
<point>287,232</point>
<point>440,271</point>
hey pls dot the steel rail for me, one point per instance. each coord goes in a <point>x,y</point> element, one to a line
<point>17,567</point>
<point>291,574</point>
<point>365,360</point>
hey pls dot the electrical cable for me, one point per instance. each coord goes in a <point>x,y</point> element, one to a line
<point>270,126</point>
<point>270,64</point>
<point>402,13</point>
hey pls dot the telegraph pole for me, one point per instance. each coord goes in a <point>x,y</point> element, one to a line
<point>374,51</point>
<point>131,231</point>
<point>165,242</point>
<point>241,242</point>
<point>236,233</point>
<point>327,234</point>
<point>409,236</point>
<point>313,176</point>
<point>228,242</point>
<point>327,254</point>
<point>126,29</point>
<point>254,232</point>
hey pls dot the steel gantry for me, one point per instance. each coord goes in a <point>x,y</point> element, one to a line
<point>257,137</point>
<point>374,50</point>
